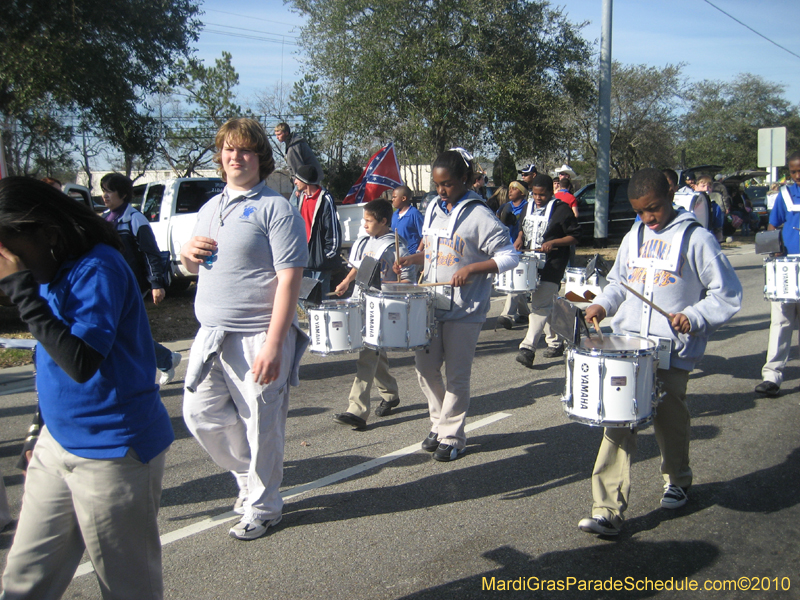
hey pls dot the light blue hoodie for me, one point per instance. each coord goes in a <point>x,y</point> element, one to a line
<point>704,287</point>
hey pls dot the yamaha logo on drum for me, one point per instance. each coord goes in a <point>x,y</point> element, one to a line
<point>583,394</point>
<point>371,324</point>
<point>585,368</point>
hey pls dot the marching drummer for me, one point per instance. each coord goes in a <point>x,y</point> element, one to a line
<point>677,265</point>
<point>510,214</point>
<point>550,227</point>
<point>785,316</point>
<point>464,244</point>
<point>380,245</point>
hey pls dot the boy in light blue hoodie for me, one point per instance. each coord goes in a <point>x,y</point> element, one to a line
<point>679,265</point>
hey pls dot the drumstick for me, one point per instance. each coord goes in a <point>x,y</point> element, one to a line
<point>597,327</point>
<point>646,301</point>
<point>396,247</point>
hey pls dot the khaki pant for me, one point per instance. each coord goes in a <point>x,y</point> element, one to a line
<point>611,479</point>
<point>784,319</point>
<point>516,304</point>
<point>454,345</point>
<point>371,365</point>
<point>541,307</point>
<point>109,507</point>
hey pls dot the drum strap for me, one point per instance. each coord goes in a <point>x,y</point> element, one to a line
<point>652,266</point>
<point>432,236</point>
<point>534,226</point>
<point>787,200</point>
<point>358,255</point>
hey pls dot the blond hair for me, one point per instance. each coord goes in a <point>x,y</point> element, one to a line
<point>249,135</point>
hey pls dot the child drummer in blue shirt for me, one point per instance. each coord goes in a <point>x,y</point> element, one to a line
<point>373,365</point>
<point>696,285</point>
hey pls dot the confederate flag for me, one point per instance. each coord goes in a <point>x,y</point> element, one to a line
<point>382,173</point>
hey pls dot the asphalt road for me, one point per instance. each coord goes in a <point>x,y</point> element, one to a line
<point>404,526</point>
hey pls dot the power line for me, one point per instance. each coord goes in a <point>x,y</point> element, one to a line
<point>283,35</point>
<point>250,18</point>
<point>251,37</point>
<point>751,29</point>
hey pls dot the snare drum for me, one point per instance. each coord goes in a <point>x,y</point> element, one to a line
<point>612,382</point>
<point>577,283</point>
<point>781,280</point>
<point>335,327</point>
<point>522,278</point>
<point>398,317</point>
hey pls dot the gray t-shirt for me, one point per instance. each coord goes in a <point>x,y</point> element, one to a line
<point>258,233</point>
<point>477,235</point>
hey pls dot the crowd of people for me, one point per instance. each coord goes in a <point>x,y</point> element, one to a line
<point>80,280</point>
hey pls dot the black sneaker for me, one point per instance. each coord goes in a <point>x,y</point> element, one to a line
<point>768,388</point>
<point>554,352</point>
<point>350,419</point>
<point>525,357</point>
<point>386,407</point>
<point>674,496</point>
<point>521,319</point>
<point>430,443</point>
<point>599,525</point>
<point>447,453</point>
<point>505,321</point>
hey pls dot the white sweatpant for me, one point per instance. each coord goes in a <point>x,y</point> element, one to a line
<point>784,319</point>
<point>241,424</point>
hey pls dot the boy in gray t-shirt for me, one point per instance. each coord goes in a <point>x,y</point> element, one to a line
<point>373,365</point>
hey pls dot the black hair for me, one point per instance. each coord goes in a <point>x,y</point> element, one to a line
<point>117,182</point>
<point>543,180</point>
<point>458,166</point>
<point>648,181</point>
<point>27,205</point>
<point>671,175</point>
<point>380,209</point>
<point>793,156</point>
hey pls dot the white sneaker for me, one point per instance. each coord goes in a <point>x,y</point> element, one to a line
<point>252,529</point>
<point>674,496</point>
<point>168,375</point>
<point>238,506</point>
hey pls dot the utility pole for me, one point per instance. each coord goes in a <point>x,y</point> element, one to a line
<point>603,130</point>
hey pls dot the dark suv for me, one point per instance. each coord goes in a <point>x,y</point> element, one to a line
<point>620,213</point>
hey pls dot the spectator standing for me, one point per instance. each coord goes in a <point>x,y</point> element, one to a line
<point>566,196</point>
<point>298,153</point>
<point>141,252</point>
<point>323,231</point>
<point>406,220</point>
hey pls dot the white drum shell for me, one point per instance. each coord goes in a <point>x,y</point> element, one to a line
<point>577,283</point>
<point>611,388</point>
<point>398,320</point>
<point>522,278</point>
<point>335,327</point>
<point>782,278</point>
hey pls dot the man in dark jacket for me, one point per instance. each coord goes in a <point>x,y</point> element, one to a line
<point>323,232</point>
<point>297,154</point>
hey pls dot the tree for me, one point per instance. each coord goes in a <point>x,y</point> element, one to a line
<point>97,56</point>
<point>644,121</point>
<point>722,123</point>
<point>444,69</point>
<point>207,92</point>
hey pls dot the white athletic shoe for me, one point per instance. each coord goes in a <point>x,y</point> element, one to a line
<point>252,529</point>
<point>168,375</point>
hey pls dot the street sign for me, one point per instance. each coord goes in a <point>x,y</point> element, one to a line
<point>772,147</point>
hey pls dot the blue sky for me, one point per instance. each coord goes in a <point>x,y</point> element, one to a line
<point>652,32</point>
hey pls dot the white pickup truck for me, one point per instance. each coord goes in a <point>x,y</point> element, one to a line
<point>171,206</point>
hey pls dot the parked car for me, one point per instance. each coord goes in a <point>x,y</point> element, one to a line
<point>757,194</point>
<point>83,195</point>
<point>620,213</point>
<point>171,206</point>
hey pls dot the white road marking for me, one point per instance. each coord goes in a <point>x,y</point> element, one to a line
<point>200,526</point>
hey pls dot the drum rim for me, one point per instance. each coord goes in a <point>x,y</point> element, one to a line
<point>422,293</point>
<point>618,353</point>
<point>349,302</point>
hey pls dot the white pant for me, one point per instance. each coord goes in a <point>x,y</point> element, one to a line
<point>784,319</point>
<point>241,424</point>
<point>454,345</point>
<point>109,507</point>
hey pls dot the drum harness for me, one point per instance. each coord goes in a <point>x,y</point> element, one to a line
<point>446,233</point>
<point>534,226</point>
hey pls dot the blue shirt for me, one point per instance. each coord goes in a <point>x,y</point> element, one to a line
<point>119,408</point>
<point>409,227</point>
<point>790,220</point>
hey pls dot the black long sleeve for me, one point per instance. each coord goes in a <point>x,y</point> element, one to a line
<point>77,358</point>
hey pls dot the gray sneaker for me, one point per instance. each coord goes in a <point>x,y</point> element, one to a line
<point>251,529</point>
